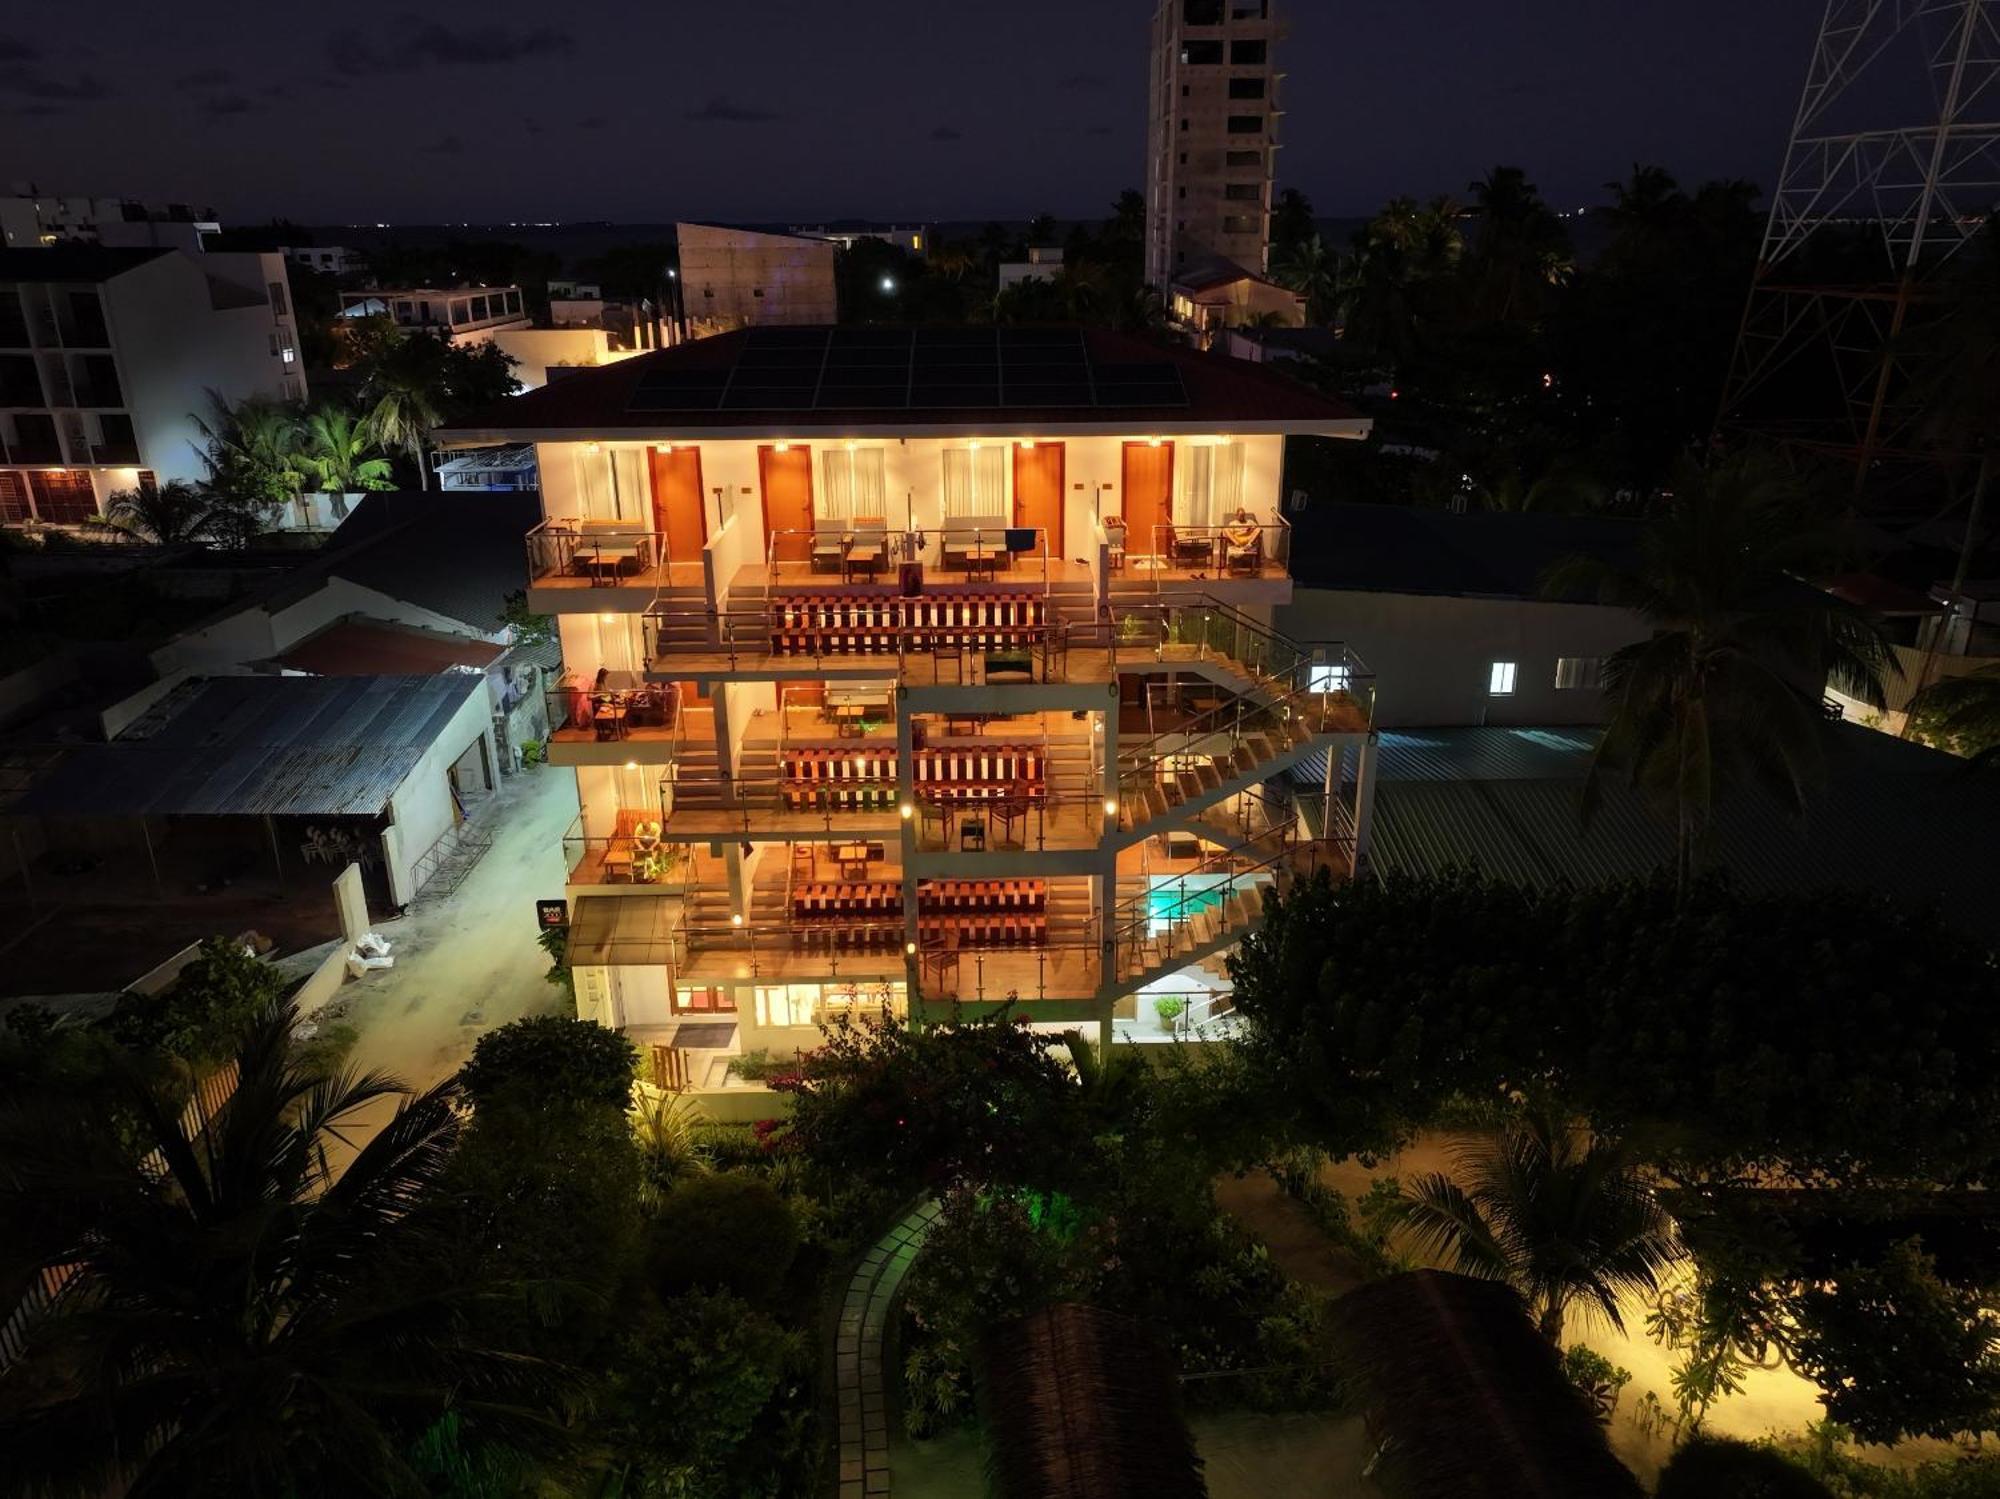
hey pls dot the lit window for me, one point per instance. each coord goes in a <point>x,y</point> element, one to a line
<point>1579,671</point>
<point>1326,676</point>
<point>1500,681</point>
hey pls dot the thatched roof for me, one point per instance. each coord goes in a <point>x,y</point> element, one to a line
<point>1084,1404</point>
<point>1469,1400</point>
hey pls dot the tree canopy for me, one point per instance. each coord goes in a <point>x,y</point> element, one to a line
<point>1831,1036</point>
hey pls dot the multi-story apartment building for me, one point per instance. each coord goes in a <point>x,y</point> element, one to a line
<point>463,313</point>
<point>108,358</point>
<point>913,669</point>
<point>32,220</point>
<point>1211,135</point>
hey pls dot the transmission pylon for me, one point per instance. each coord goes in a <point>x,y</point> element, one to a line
<point>1893,165</point>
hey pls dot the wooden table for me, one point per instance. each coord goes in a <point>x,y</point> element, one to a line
<point>609,720</point>
<point>852,859</point>
<point>848,719</point>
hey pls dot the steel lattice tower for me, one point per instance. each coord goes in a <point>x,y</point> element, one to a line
<point>1892,166</point>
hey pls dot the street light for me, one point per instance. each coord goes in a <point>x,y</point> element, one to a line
<point>888,286</point>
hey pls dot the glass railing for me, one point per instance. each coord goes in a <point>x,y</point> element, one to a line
<point>635,856</point>
<point>867,549</point>
<point>645,711</point>
<point>1164,554</point>
<point>1149,929</point>
<point>596,554</point>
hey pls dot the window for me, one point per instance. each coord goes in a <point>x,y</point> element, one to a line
<point>1579,671</point>
<point>1184,126</point>
<point>1246,88</point>
<point>1201,12</point>
<point>787,1004</point>
<point>1240,225</point>
<point>1201,54</point>
<point>1245,124</point>
<point>1244,192</point>
<point>757,292</point>
<point>1327,676</point>
<point>1500,680</point>
<point>1212,486</point>
<point>1185,90</point>
<point>975,482</point>
<point>851,483</point>
<point>613,485</point>
<point>1183,163</point>
<point>277,290</point>
<point>1248,53</point>
<point>63,496</point>
<point>14,498</point>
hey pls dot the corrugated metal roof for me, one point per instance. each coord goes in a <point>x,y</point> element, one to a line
<point>1892,816</point>
<point>288,746</point>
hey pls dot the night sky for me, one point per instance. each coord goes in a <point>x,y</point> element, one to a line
<point>807,109</point>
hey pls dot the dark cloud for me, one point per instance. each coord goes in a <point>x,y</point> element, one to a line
<point>721,111</point>
<point>591,122</point>
<point>221,106</point>
<point>205,78</point>
<point>947,133</point>
<point>32,83</point>
<point>1082,81</point>
<point>432,45</point>
<point>449,145</point>
<point>14,49</point>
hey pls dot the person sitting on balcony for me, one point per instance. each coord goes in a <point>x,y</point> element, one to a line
<point>1242,541</point>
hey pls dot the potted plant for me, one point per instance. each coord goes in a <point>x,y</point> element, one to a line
<point>1168,1007</point>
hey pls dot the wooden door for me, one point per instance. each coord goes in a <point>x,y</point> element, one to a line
<point>1148,496</point>
<point>787,482</point>
<point>678,513</point>
<point>1038,491</point>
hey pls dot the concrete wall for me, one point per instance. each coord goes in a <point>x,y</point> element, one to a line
<point>736,278</point>
<point>1432,655</point>
<point>537,349</point>
<point>421,809</point>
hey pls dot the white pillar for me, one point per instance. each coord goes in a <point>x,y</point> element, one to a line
<point>1364,803</point>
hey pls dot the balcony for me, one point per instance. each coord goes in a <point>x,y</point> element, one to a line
<point>115,454</point>
<point>41,452</point>
<point>862,549</point>
<point>1175,555</point>
<point>635,854</point>
<point>607,554</point>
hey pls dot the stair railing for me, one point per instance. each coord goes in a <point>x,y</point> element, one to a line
<point>1132,922</point>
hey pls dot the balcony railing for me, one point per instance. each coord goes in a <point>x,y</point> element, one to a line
<point>650,712</point>
<point>637,855</point>
<point>1167,554</point>
<point>601,554</point>
<point>866,549</point>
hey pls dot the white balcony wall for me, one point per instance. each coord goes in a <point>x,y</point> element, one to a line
<point>591,641</point>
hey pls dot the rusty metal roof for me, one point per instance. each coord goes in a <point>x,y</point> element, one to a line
<point>247,746</point>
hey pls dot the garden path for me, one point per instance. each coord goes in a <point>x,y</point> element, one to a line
<point>857,1356</point>
<point>1298,1246</point>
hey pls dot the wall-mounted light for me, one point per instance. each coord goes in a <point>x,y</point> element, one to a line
<point>974,445</point>
<point>1027,444</point>
<point>592,447</point>
<point>1111,806</point>
<point>1152,442</point>
<point>665,449</point>
<point>908,810</point>
<point>781,447</point>
<point>631,764</point>
<point>910,948</point>
<point>854,447</point>
<point>736,918</point>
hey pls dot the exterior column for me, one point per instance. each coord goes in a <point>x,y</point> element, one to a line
<point>1364,803</point>
<point>906,827</point>
<point>1107,874</point>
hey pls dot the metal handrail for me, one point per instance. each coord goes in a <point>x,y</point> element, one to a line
<point>1138,929</point>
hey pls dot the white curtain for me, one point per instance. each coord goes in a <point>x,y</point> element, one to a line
<point>851,483</point>
<point>1213,486</point>
<point>975,482</point>
<point>593,486</point>
<point>618,643</point>
<point>631,488</point>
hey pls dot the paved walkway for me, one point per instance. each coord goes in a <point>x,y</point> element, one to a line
<point>1298,1246</point>
<point>857,1354</point>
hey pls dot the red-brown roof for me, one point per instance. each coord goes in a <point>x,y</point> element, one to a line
<point>1220,392</point>
<point>356,648</point>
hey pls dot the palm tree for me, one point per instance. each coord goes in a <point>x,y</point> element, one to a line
<point>252,450</point>
<point>1963,713</point>
<point>243,1320</point>
<point>170,514</point>
<point>1730,684</point>
<point>341,455</point>
<point>1313,271</point>
<point>406,387</point>
<point>1560,1215</point>
<point>1519,247</point>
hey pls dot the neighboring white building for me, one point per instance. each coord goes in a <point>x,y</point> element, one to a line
<point>1044,263</point>
<point>1211,135</point>
<point>461,312</point>
<point>28,221</point>
<point>911,237</point>
<point>328,260</point>
<point>108,357</point>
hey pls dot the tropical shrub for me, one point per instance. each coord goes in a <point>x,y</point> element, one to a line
<point>552,1060</point>
<point>203,1013</point>
<point>1707,1467</point>
<point>723,1232</point>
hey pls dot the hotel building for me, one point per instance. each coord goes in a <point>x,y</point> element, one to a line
<point>912,670</point>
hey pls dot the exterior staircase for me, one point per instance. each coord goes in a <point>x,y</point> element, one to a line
<point>1155,795</point>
